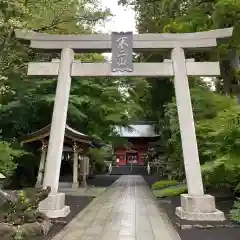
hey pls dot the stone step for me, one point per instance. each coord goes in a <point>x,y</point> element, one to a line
<point>127,170</point>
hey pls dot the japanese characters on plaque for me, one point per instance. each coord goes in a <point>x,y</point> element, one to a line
<point>122,52</point>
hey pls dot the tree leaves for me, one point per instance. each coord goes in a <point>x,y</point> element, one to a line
<point>218,135</point>
<point>95,104</point>
<point>7,154</point>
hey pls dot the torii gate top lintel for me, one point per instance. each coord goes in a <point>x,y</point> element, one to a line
<point>141,42</point>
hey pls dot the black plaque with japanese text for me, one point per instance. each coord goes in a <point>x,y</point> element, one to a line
<point>122,52</point>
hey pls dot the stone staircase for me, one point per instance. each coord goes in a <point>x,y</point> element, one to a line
<point>128,170</point>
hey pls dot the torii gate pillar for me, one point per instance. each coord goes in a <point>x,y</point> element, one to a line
<point>195,205</point>
<point>54,205</point>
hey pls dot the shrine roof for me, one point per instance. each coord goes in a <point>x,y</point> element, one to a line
<point>137,130</point>
<point>69,133</point>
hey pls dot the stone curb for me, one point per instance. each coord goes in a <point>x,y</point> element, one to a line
<point>208,226</point>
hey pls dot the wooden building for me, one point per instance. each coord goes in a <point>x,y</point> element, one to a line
<point>75,149</point>
<point>139,137</point>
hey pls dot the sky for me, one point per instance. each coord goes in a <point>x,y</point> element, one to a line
<point>123,20</point>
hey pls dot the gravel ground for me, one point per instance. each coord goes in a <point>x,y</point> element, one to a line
<point>76,204</point>
<point>102,180</point>
<point>199,234</point>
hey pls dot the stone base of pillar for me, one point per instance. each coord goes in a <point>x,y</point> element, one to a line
<point>75,185</point>
<point>83,184</point>
<point>38,185</point>
<point>201,208</point>
<point>54,206</point>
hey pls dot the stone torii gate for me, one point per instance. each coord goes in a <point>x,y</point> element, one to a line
<point>195,205</point>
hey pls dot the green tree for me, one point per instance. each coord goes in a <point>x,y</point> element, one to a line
<point>7,157</point>
<point>192,16</point>
<point>96,104</point>
<point>92,100</point>
<point>217,129</point>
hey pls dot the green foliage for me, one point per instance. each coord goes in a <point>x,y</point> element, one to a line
<point>170,192</point>
<point>100,167</point>
<point>163,184</point>
<point>7,157</point>
<point>109,153</point>
<point>98,158</point>
<point>189,16</point>
<point>222,154</point>
<point>216,117</point>
<point>24,208</point>
<point>96,105</point>
<point>102,154</point>
<point>235,212</point>
<point>217,127</point>
<point>19,236</point>
<point>237,189</point>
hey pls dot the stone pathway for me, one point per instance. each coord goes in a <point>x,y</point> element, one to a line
<point>89,192</point>
<point>127,210</point>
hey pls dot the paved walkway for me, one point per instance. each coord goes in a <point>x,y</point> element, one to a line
<point>125,211</point>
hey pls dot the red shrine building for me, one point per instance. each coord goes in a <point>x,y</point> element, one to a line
<point>139,138</point>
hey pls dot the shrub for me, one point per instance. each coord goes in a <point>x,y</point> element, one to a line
<point>235,212</point>
<point>100,167</point>
<point>237,189</point>
<point>217,127</point>
<point>7,155</point>
<point>163,184</point>
<point>170,192</point>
